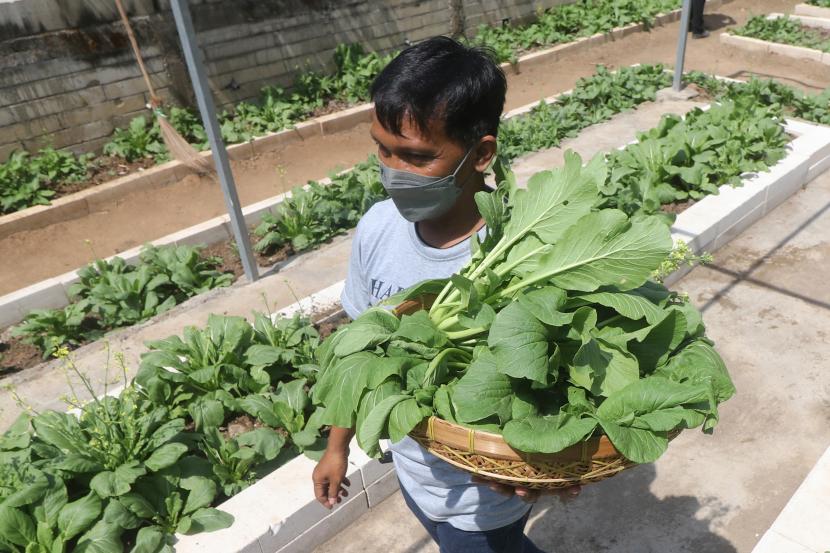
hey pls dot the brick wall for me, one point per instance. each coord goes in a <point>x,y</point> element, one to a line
<point>68,76</point>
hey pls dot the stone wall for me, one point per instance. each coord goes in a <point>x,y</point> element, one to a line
<point>68,76</point>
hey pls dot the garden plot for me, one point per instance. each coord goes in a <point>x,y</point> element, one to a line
<point>799,37</point>
<point>311,216</point>
<point>300,525</point>
<point>50,172</point>
<point>341,252</point>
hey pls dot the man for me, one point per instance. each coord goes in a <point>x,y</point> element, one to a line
<point>437,111</point>
<point>696,19</point>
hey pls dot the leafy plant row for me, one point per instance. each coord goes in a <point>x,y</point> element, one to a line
<point>311,216</point>
<point>687,158</point>
<point>113,294</point>
<point>27,180</point>
<point>768,92</point>
<point>209,413</point>
<point>785,31</point>
<point>568,22</point>
<point>819,3</point>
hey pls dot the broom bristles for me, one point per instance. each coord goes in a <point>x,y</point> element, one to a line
<point>181,149</point>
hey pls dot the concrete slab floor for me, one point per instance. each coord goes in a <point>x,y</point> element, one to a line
<point>766,303</point>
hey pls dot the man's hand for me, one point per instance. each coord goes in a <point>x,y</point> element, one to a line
<point>329,475</point>
<point>529,495</point>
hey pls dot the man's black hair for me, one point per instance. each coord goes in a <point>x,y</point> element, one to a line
<point>442,79</point>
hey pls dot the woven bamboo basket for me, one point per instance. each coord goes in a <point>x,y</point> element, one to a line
<point>488,456</point>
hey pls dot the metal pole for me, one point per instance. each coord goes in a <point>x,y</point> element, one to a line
<point>681,44</point>
<point>195,66</point>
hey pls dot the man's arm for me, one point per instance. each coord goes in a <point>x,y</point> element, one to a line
<point>329,475</point>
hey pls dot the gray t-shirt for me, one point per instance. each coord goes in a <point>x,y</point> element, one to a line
<point>387,257</point>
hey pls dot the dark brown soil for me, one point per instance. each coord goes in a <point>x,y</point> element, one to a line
<point>677,207</point>
<point>227,252</point>
<point>240,425</point>
<point>331,107</point>
<point>101,170</point>
<point>329,325</point>
<point>16,355</point>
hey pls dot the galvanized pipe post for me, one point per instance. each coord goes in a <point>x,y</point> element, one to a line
<point>196,68</point>
<point>681,45</point>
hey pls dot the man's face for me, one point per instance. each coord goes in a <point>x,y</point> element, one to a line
<point>428,152</point>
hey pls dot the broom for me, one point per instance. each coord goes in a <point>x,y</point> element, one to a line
<point>179,148</point>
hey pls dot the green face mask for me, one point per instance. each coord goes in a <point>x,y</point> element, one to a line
<point>419,197</point>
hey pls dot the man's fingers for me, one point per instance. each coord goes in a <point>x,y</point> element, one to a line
<point>334,491</point>
<point>569,493</point>
<point>321,492</point>
<point>528,495</point>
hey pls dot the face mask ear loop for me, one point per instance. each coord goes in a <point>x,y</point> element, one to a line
<point>463,161</point>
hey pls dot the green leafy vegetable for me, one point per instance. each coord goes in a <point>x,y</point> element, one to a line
<point>551,334</point>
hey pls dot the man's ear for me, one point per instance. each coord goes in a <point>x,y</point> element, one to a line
<point>484,152</point>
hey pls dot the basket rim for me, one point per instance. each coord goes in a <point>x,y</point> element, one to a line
<point>490,444</point>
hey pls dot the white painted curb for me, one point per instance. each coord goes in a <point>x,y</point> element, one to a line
<point>812,11</point>
<point>756,45</point>
<point>804,524</point>
<point>715,220</point>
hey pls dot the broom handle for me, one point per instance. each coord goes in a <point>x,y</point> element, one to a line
<point>154,100</point>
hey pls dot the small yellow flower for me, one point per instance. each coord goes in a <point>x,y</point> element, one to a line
<point>62,352</point>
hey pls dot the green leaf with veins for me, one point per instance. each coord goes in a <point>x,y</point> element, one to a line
<point>519,342</point>
<point>547,434</point>
<point>483,391</point>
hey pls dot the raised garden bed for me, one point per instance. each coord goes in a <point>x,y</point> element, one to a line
<point>796,36</point>
<point>664,137</point>
<point>817,8</point>
<point>81,203</point>
<point>296,522</point>
<point>631,87</point>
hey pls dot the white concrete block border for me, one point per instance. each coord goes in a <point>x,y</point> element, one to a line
<point>279,513</point>
<point>795,52</point>
<point>812,11</point>
<point>804,524</point>
<point>715,220</point>
<point>86,201</point>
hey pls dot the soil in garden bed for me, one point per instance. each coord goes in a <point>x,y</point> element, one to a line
<point>101,170</point>
<point>329,325</point>
<point>16,355</point>
<point>677,207</point>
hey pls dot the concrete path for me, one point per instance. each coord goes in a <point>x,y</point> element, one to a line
<point>43,386</point>
<point>766,302</point>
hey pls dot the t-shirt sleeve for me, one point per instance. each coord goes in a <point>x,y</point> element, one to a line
<point>355,297</point>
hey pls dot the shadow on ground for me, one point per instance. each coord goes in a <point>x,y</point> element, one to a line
<point>716,21</point>
<point>621,515</point>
